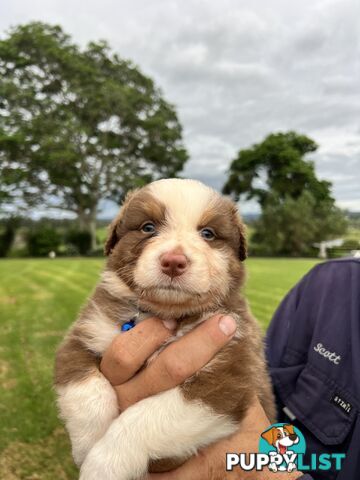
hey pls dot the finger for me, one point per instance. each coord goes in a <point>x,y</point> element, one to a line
<point>129,350</point>
<point>179,361</point>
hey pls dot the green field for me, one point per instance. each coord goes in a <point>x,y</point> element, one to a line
<point>38,301</point>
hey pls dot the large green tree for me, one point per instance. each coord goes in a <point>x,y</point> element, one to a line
<point>79,125</point>
<point>276,165</point>
<point>297,208</point>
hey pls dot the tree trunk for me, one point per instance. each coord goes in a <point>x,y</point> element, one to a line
<point>92,230</point>
<point>81,221</point>
<point>87,222</point>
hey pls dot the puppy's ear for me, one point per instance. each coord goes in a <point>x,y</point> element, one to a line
<point>243,241</point>
<point>114,227</point>
<point>112,237</point>
<point>242,248</point>
<point>268,435</point>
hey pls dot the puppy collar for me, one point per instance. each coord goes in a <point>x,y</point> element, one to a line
<point>129,324</point>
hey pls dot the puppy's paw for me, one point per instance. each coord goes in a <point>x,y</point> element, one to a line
<point>107,463</point>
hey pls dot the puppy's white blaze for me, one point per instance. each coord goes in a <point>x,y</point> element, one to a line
<point>185,200</point>
<point>88,408</point>
<point>100,330</point>
<point>165,425</point>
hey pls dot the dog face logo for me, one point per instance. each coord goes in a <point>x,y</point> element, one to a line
<point>283,443</point>
<point>281,437</point>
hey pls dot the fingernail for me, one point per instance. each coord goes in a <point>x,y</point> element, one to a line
<point>227,325</point>
<point>169,324</point>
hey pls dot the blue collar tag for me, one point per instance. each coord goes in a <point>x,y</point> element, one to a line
<point>128,325</point>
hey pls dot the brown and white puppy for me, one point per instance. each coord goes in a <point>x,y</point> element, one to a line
<point>175,251</point>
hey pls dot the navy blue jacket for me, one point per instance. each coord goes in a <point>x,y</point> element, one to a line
<point>313,352</point>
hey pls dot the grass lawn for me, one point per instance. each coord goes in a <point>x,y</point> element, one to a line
<point>38,301</point>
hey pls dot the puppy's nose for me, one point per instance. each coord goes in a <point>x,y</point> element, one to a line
<point>173,264</point>
<point>293,437</point>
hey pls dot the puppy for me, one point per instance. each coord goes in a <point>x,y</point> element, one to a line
<point>175,251</point>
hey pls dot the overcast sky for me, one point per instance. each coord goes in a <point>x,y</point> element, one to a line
<point>236,70</point>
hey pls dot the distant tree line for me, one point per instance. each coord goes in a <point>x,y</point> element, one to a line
<point>80,125</point>
<point>21,237</point>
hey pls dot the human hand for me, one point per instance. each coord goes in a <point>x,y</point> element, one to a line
<point>180,360</point>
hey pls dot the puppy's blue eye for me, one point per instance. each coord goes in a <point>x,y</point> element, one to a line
<point>207,234</point>
<point>148,227</point>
